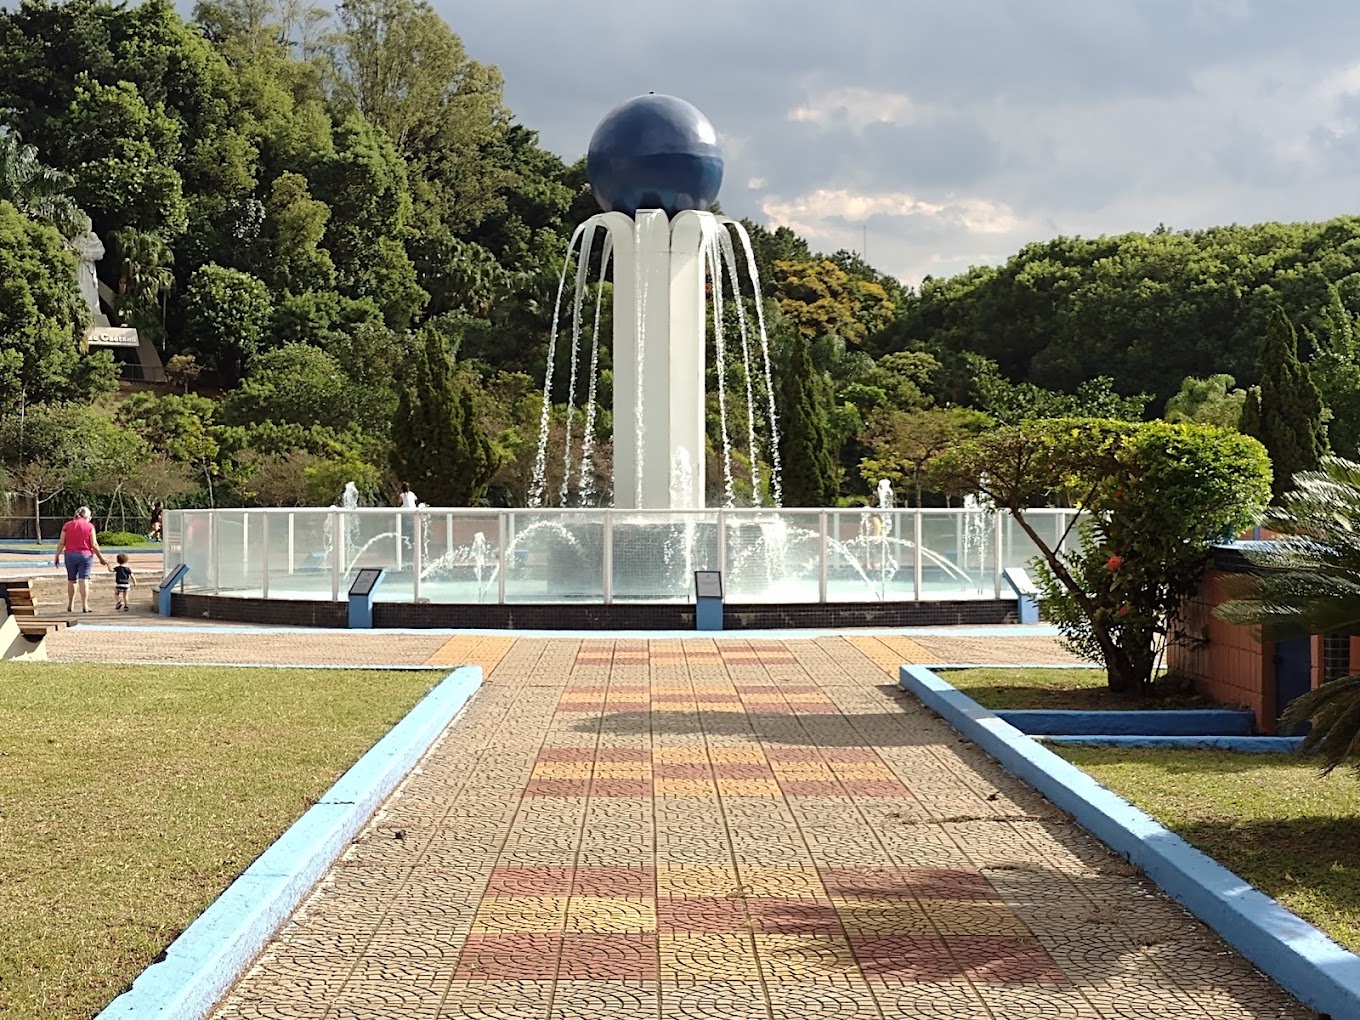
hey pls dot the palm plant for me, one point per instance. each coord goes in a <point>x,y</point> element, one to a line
<point>1308,582</point>
<point>36,190</point>
<point>143,261</point>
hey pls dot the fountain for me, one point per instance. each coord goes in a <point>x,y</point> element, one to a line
<point>681,278</point>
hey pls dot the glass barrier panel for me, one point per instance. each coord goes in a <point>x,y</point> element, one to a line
<point>554,556</point>
<point>772,555</point>
<point>655,554</point>
<point>956,557</point>
<point>460,557</point>
<point>231,574</point>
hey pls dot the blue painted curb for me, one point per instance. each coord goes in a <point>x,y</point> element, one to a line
<point>1216,722</point>
<point>211,954</point>
<point>1242,745</point>
<point>1308,964</point>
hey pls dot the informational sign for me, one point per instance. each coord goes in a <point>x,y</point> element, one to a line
<point>172,576</point>
<point>365,581</point>
<point>708,584</point>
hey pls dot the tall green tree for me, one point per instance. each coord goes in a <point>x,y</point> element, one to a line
<point>809,463</point>
<point>438,443</point>
<point>226,315</point>
<point>1290,424</point>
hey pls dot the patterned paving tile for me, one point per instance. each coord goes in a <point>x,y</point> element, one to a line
<point>721,830</point>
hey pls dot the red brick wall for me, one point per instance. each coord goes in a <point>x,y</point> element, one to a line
<point>1232,667</point>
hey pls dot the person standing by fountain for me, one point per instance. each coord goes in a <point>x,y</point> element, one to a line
<point>80,546</point>
<point>406,499</point>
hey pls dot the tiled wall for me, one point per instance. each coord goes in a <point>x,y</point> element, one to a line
<point>619,616</point>
<point>1232,667</point>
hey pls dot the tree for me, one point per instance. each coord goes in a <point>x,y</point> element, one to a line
<point>1290,423</point>
<point>226,315</point>
<point>38,191</point>
<point>809,464</point>
<point>181,426</point>
<point>1156,497</point>
<point>43,319</point>
<point>1209,401</point>
<point>40,481</point>
<point>820,297</point>
<point>438,444</point>
<point>1010,403</point>
<point>1307,582</point>
<point>903,444</point>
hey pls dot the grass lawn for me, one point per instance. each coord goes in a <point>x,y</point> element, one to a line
<point>130,796</point>
<point>1084,689</point>
<point>1270,818</point>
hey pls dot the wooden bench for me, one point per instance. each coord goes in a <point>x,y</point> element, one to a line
<point>19,596</point>
<point>32,628</point>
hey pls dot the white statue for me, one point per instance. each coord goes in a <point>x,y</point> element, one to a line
<point>91,250</point>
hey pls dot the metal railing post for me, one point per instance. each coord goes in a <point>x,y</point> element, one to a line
<point>502,551</point>
<point>722,541</point>
<point>917,563</point>
<point>822,564</point>
<point>290,542</point>
<point>337,552</point>
<point>607,550</point>
<point>214,550</point>
<point>998,547</point>
<point>1060,526</point>
<point>264,550</point>
<point>398,531</point>
<point>417,554</point>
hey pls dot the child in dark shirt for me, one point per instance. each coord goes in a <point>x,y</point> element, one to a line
<point>123,580</point>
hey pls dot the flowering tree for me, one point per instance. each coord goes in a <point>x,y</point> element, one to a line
<point>1157,496</point>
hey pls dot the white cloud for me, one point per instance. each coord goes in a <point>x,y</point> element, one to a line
<point>756,183</point>
<point>821,213</point>
<point>860,107</point>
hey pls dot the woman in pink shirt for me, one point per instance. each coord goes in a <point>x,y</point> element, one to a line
<point>81,548</point>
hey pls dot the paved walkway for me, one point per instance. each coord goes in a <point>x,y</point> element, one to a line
<point>623,829</point>
<point>140,636</point>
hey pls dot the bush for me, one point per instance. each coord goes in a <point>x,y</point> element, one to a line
<point>117,538</point>
<point>1157,497</point>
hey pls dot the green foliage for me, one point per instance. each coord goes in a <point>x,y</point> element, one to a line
<point>1290,416</point>
<point>226,316</point>
<point>809,466</point>
<point>903,444</point>
<point>438,444</point>
<point>304,385</point>
<point>42,318</point>
<point>1010,403</point>
<point>1156,496</point>
<point>38,191</point>
<point>1210,401</point>
<point>119,538</point>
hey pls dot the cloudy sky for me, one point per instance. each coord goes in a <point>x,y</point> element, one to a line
<point>956,131</point>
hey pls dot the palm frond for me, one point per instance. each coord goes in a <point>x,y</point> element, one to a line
<point>1307,581</point>
<point>1334,711</point>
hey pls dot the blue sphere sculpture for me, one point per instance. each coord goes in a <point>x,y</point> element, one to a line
<point>654,152</point>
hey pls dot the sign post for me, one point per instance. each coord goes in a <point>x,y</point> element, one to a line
<point>361,591</point>
<point>708,600</point>
<point>172,577</point>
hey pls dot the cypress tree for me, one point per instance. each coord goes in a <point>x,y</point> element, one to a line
<point>437,443</point>
<point>1290,419</point>
<point>809,463</point>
